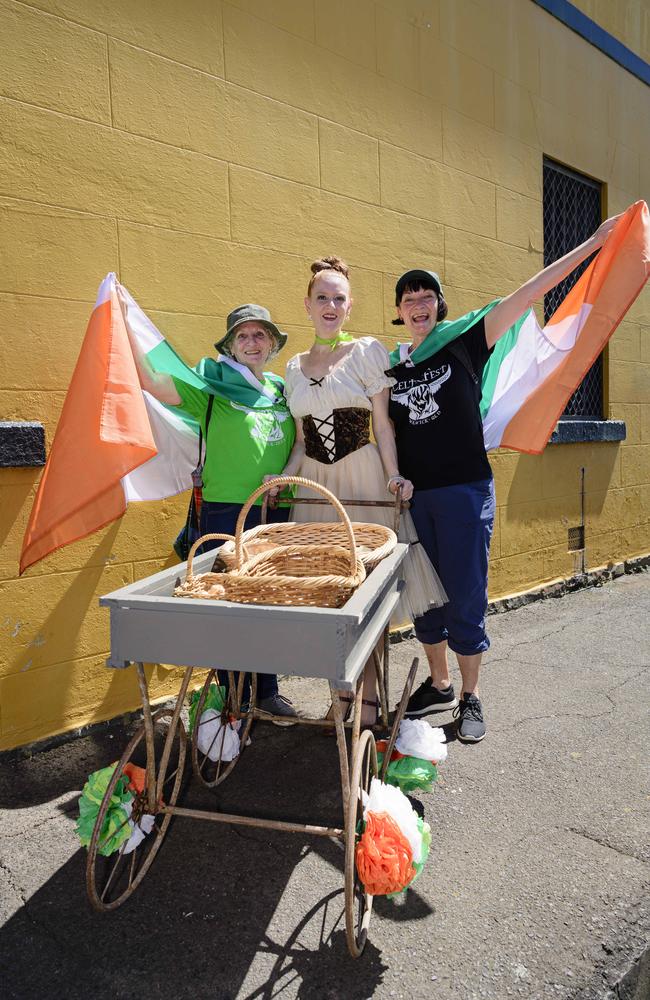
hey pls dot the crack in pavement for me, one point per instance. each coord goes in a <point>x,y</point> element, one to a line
<point>604,843</point>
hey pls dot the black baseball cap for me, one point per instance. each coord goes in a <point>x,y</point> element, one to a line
<point>412,277</point>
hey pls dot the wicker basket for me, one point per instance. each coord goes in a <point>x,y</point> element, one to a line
<point>374,541</point>
<point>320,575</point>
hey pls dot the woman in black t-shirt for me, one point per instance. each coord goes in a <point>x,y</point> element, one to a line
<point>434,406</point>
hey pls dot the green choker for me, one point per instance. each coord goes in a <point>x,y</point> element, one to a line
<point>340,338</point>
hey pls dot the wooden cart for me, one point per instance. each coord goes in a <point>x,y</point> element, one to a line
<point>149,625</point>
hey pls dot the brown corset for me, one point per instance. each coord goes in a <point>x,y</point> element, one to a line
<point>341,433</point>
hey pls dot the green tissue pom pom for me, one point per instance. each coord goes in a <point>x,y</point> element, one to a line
<point>215,698</point>
<point>115,829</point>
<point>410,774</point>
<point>425,831</point>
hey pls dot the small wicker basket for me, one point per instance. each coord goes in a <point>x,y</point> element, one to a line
<point>374,541</point>
<point>316,574</point>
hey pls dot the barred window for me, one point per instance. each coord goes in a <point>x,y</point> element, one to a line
<point>572,212</point>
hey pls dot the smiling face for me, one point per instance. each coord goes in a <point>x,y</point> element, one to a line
<point>419,312</point>
<point>251,345</point>
<point>329,303</point>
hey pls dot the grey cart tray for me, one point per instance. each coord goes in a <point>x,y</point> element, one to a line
<point>149,625</point>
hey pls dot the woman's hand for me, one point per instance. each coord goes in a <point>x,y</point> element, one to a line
<point>605,229</point>
<point>272,494</point>
<point>394,484</point>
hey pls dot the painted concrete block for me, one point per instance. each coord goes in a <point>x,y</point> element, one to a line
<point>501,35</point>
<point>55,618</point>
<point>293,16</point>
<point>517,477</point>
<point>474,261</point>
<point>510,574</point>
<point>398,49</point>
<point>567,137</point>
<point>635,540</point>
<point>49,331</point>
<point>284,67</point>
<point>635,465</point>
<point>349,162</point>
<point>372,237</point>
<point>561,468</point>
<point>630,414</point>
<point>349,30</point>
<point>110,173</point>
<point>519,220</point>
<point>625,345</point>
<point>434,191</point>
<point>489,154</point>
<point>194,39</point>
<point>514,111</point>
<point>44,251</point>
<point>187,108</point>
<point>45,701</point>
<point>44,58</point>
<point>535,524</point>
<point>629,382</point>
<point>456,80</point>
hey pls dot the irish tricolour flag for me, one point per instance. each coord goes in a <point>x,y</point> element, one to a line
<point>533,371</point>
<point>114,442</point>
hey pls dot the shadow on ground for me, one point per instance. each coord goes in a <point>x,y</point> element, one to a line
<point>224,912</point>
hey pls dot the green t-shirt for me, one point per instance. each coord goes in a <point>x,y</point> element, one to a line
<point>243,444</point>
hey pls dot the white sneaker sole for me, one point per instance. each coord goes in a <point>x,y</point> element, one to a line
<point>432,709</point>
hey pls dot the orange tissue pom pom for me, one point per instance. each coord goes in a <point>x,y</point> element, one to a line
<point>383,856</point>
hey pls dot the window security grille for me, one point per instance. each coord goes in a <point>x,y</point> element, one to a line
<point>572,212</point>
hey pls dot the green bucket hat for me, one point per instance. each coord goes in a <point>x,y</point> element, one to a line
<point>246,314</point>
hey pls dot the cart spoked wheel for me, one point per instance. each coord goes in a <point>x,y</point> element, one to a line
<point>213,771</point>
<point>358,903</point>
<point>111,879</point>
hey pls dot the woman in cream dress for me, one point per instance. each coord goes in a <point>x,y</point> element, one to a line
<point>335,390</point>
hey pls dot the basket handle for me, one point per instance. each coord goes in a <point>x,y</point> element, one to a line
<point>208,538</point>
<point>295,481</point>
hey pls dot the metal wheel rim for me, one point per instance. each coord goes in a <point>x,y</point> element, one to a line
<point>152,841</point>
<point>201,764</point>
<point>364,768</point>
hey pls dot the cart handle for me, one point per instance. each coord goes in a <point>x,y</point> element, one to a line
<point>200,541</point>
<point>294,481</point>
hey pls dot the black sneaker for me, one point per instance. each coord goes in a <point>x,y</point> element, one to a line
<point>471,727</point>
<point>428,699</point>
<point>279,708</point>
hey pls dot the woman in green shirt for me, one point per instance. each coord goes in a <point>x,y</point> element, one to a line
<point>250,433</point>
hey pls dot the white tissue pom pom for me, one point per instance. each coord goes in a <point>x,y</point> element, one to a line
<point>138,830</point>
<point>215,740</point>
<point>416,738</point>
<point>389,799</point>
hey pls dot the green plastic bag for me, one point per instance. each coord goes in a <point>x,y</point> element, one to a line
<point>215,698</point>
<point>410,773</point>
<point>116,828</point>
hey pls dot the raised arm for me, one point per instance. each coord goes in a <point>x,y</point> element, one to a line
<point>508,311</point>
<point>160,385</point>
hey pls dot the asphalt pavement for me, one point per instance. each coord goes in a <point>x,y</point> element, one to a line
<point>537,883</point>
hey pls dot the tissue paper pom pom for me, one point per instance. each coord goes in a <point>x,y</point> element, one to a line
<point>115,828</point>
<point>216,740</point>
<point>215,698</point>
<point>383,856</point>
<point>425,831</point>
<point>416,738</point>
<point>409,774</point>
<point>387,799</point>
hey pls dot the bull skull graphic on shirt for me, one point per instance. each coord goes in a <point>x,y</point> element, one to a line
<point>420,397</point>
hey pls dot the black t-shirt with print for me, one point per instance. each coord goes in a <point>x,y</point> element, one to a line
<point>434,407</point>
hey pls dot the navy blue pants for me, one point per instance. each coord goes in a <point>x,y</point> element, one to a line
<point>221,518</point>
<point>454,524</point>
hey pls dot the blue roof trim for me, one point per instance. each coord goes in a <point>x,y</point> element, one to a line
<point>597,36</point>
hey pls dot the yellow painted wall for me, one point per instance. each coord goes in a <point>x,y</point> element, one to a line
<point>207,152</point>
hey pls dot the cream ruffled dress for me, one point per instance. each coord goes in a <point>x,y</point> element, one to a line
<point>359,375</point>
